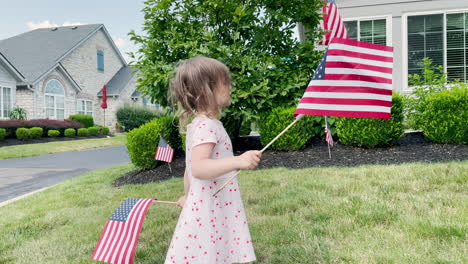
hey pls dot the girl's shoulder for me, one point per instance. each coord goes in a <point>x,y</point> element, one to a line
<point>203,120</point>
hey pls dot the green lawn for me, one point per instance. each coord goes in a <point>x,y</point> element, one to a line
<point>414,213</point>
<point>28,150</point>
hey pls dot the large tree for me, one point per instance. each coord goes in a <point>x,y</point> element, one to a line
<point>254,38</point>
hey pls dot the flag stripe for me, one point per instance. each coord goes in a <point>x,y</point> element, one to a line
<point>362,44</point>
<point>129,257</point>
<point>335,107</point>
<point>360,61</point>
<point>342,113</point>
<point>310,100</point>
<point>358,72</point>
<point>351,83</point>
<point>112,241</point>
<point>104,234</point>
<point>354,51</point>
<point>339,64</point>
<point>347,95</point>
<point>108,240</point>
<point>356,77</point>
<point>349,89</point>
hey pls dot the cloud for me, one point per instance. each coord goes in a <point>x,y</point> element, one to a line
<point>46,24</point>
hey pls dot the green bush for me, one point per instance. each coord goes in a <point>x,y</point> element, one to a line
<point>53,133</point>
<point>70,132</point>
<point>93,131</point>
<point>102,130</point>
<point>22,133</point>
<point>18,113</point>
<point>445,116</point>
<point>372,132</point>
<point>272,123</point>
<point>83,132</point>
<point>2,133</point>
<point>143,141</point>
<point>36,132</point>
<point>131,116</point>
<point>85,120</point>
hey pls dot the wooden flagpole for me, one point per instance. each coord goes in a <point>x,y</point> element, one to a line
<point>298,117</point>
<point>165,202</point>
<point>328,144</point>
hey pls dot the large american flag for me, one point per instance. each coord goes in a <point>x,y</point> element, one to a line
<point>120,235</point>
<point>354,79</point>
<point>332,23</point>
<point>164,152</point>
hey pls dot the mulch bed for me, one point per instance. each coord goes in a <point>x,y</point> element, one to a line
<point>14,141</point>
<point>413,147</point>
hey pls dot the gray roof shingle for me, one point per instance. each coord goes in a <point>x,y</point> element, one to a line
<point>35,52</point>
<point>119,81</point>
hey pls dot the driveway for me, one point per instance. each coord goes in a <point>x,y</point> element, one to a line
<point>24,175</point>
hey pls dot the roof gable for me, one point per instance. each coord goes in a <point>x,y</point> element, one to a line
<point>36,53</point>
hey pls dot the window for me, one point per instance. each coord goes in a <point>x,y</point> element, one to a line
<point>445,43</point>
<point>85,107</point>
<point>55,100</point>
<point>5,102</point>
<point>100,60</point>
<point>372,31</point>
<point>425,40</point>
<point>457,46</point>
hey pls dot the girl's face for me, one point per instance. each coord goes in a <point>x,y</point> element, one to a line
<point>223,95</point>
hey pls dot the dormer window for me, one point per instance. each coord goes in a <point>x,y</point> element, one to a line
<point>100,60</point>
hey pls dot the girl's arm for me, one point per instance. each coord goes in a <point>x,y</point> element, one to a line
<point>203,167</point>
<point>186,183</point>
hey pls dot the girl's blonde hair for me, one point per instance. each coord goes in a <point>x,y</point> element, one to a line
<point>193,87</point>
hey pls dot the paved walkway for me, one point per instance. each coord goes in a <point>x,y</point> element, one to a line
<point>24,175</point>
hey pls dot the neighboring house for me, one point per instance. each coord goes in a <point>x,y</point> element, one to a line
<point>437,29</point>
<point>57,72</point>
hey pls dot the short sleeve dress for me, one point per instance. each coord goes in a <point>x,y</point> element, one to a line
<point>211,229</point>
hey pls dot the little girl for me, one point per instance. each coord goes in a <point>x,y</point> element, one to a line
<point>211,229</point>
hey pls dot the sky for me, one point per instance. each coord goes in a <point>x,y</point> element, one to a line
<point>118,16</point>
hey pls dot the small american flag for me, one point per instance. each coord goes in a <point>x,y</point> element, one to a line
<point>328,135</point>
<point>120,235</point>
<point>332,23</point>
<point>354,79</point>
<point>164,152</point>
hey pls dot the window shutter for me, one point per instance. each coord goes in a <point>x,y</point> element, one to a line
<point>456,47</point>
<point>100,60</point>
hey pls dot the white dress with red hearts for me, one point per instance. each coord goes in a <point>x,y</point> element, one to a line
<point>211,229</point>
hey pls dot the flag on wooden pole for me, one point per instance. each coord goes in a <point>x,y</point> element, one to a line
<point>119,238</point>
<point>328,134</point>
<point>354,79</point>
<point>164,152</point>
<point>332,23</point>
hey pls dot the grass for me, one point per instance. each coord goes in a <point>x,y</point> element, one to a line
<point>413,213</point>
<point>28,150</point>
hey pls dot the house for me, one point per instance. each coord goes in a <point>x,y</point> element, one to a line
<point>437,29</point>
<point>57,72</point>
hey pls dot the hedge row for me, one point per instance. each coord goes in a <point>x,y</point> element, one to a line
<point>37,132</point>
<point>11,126</point>
<point>131,116</point>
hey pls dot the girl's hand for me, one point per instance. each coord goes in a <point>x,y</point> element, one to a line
<point>249,160</point>
<point>181,201</point>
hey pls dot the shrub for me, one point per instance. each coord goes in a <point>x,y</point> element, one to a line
<point>18,113</point>
<point>53,133</point>
<point>2,133</point>
<point>46,124</point>
<point>70,132</point>
<point>36,132</point>
<point>93,131</point>
<point>102,130</point>
<point>85,120</point>
<point>22,133</point>
<point>445,116</point>
<point>83,132</point>
<point>142,142</point>
<point>132,116</point>
<point>371,132</point>
<point>272,123</point>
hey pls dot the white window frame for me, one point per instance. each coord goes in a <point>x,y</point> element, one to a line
<point>55,100</point>
<point>86,110</point>
<point>2,86</point>
<point>388,26</point>
<point>404,31</point>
